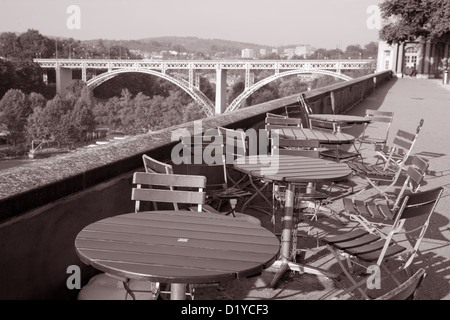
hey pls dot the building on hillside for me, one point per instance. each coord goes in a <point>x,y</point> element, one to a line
<point>420,59</point>
<point>303,50</point>
<point>263,52</point>
<point>248,53</point>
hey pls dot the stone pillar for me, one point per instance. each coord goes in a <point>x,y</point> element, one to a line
<point>84,73</point>
<point>400,58</point>
<point>426,67</point>
<point>421,58</point>
<point>63,79</point>
<point>221,90</point>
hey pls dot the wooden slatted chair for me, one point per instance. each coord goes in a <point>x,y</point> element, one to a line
<point>218,189</point>
<point>237,145</point>
<point>336,153</point>
<point>395,159</point>
<point>373,214</point>
<point>377,131</point>
<point>400,149</point>
<point>359,247</point>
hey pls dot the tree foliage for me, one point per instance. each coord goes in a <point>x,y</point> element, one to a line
<point>14,111</point>
<point>408,20</point>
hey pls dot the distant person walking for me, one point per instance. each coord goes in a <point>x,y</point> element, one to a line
<point>413,72</point>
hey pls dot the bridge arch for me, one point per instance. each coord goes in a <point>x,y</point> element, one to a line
<point>247,92</point>
<point>195,93</point>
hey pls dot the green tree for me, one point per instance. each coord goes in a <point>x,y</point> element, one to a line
<point>14,111</point>
<point>264,94</point>
<point>292,85</point>
<point>207,89</point>
<point>83,115</point>
<point>33,44</point>
<point>36,100</point>
<point>28,77</point>
<point>236,89</point>
<point>409,20</point>
<point>7,76</point>
<point>53,121</point>
<point>9,44</point>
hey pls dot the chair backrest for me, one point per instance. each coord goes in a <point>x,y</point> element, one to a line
<point>213,159</point>
<point>155,166</point>
<point>152,165</point>
<point>415,173</point>
<point>157,187</point>
<point>296,147</point>
<point>313,123</point>
<point>413,205</point>
<point>276,122</point>
<point>235,143</point>
<point>377,130</point>
<point>406,290</point>
<point>293,111</point>
<point>398,153</point>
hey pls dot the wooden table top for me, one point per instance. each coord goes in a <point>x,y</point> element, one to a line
<point>324,137</point>
<point>288,168</point>
<point>177,247</point>
<point>340,118</point>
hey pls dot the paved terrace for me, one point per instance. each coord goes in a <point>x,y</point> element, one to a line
<point>411,100</point>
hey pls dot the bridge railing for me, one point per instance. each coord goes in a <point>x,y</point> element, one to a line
<point>351,64</point>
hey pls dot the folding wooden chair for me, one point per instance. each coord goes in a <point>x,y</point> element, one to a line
<point>373,252</point>
<point>395,159</point>
<point>377,131</point>
<point>397,154</point>
<point>218,189</point>
<point>373,214</point>
<point>236,145</point>
<point>335,153</point>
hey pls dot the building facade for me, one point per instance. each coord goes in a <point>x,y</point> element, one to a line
<point>423,59</point>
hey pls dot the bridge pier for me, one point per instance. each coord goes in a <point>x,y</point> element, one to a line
<point>221,91</point>
<point>63,79</point>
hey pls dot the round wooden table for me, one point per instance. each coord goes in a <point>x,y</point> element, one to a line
<point>340,119</point>
<point>290,170</point>
<point>177,247</point>
<point>323,136</point>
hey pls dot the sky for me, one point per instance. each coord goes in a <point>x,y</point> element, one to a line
<point>326,24</point>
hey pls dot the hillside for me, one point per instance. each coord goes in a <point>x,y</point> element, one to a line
<point>183,44</point>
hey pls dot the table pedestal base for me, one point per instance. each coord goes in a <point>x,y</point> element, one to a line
<point>284,265</point>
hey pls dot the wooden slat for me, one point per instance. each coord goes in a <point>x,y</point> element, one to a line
<point>169,231</point>
<point>241,255</point>
<point>369,238</point>
<point>189,197</point>
<point>174,180</point>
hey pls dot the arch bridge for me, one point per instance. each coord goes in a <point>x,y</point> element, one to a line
<point>159,68</point>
